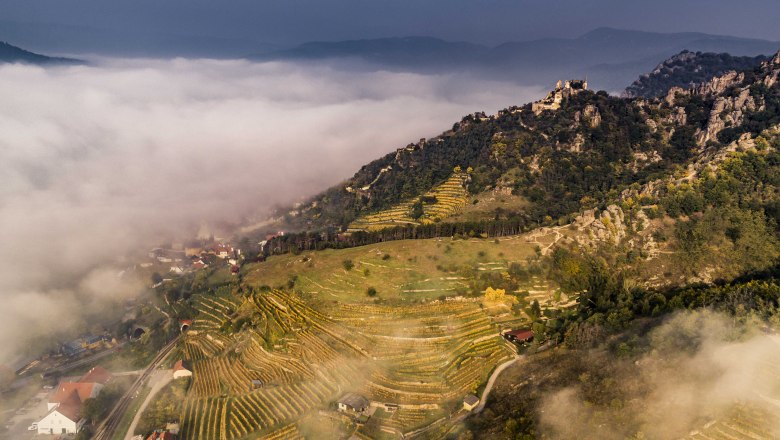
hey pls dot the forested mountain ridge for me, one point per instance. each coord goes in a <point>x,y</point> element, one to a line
<point>13,54</point>
<point>687,69</point>
<point>577,157</point>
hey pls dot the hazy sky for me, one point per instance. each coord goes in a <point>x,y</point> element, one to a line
<point>486,21</point>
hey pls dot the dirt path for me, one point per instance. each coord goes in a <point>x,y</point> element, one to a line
<point>492,380</point>
<point>159,379</point>
<point>545,232</point>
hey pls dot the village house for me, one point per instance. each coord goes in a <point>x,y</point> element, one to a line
<point>181,369</point>
<point>64,406</point>
<point>161,435</point>
<point>519,336</point>
<point>352,402</point>
<point>222,250</point>
<point>470,402</point>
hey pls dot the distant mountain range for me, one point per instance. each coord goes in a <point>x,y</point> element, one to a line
<point>610,58</point>
<point>13,54</point>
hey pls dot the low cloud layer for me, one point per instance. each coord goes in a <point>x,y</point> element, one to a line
<point>97,162</point>
<point>700,367</point>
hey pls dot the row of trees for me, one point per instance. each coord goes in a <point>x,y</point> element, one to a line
<point>333,239</point>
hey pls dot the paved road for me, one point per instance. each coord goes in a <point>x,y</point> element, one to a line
<point>492,380</point>
<point>159,379</point>
<point>108,428</point>
<point>463,414</point>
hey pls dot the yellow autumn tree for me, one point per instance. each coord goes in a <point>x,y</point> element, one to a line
<point>492,294</point>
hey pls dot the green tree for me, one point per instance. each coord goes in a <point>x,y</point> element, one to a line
<point>536,309</point>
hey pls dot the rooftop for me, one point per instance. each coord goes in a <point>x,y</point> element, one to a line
<point>96,375</point>
<point>471,399</point>
<point>354,400</point>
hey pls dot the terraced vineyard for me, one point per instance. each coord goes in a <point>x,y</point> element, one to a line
<point>417,356</point>
<point>440,202</point>
<point>743,422</point>
<point>751,420</point>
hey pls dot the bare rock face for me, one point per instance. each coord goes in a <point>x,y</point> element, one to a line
<point>609,227</point>
<point>652,125</point>
<point>614,228</point>
<point>585,219</point>
<point>641,159</point>
<point>679,117</point>
<point>726,111</point>
<point>502,191</point>
<point>771,79</point>
<point>591,114</point>
<point>720,84</point>
<point>577,144</point>
<point>671,95</point>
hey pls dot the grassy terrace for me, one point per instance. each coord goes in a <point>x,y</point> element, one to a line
<point>412,269</point>
<point>314,333</point>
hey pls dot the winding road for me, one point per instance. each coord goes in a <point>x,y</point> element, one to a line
<point>492,380</point>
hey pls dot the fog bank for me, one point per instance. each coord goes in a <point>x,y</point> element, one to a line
<point>99,161</point>
<point>701,368</point>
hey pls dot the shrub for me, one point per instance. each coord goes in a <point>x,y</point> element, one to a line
<point>371,291</point>
<point>348,264</point>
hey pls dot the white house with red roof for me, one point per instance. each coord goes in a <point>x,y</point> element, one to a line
<point>223,250</point>
<point>182,369</point>
<point>64,405</point>
<point>64,418</point>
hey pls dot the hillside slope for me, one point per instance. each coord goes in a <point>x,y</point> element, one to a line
<point>687,69</point>
<point>641,219</point>
<point>563,161</point>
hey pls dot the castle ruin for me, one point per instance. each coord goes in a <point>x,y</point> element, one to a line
<point>562,90</point>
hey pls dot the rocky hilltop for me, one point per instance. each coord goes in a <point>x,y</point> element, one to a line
<point>562,160</point>
<point>687,69</point>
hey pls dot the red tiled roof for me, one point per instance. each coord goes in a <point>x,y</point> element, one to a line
<point>96,375</point>
<point>66,389</point>
<point>521,334</point>
<point>180,365</point>
<point>70,407</point>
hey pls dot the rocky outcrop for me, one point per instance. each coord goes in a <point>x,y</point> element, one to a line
<point>591,115</point>
<point>642,159</point>
<point>726,112</point>
<point>686,70</point>
<point>610,226</point>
